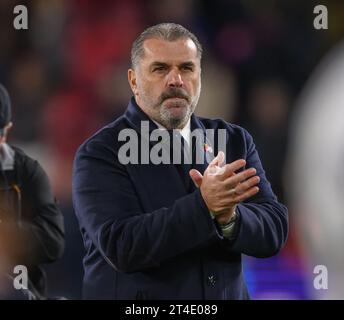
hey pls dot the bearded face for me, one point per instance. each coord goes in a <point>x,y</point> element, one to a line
<point>167,82</point>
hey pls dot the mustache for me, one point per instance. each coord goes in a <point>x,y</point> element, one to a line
<point>174,93</point>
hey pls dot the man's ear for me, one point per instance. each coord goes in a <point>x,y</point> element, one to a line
<point>132,81</point>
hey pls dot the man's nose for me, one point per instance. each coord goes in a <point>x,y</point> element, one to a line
<point>174,79</point>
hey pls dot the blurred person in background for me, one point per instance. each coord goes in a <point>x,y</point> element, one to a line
<point>316,175</point>
<point>148,239</point>
<point>31,224</point>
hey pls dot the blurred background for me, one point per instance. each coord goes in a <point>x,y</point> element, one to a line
<point>67,77</point>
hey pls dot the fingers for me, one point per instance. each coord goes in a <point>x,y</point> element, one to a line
<point>248,194</point>
<point>242,187</point>
<point>196,177</point>
<point>214,167</point>
<point>232,198</point>
<point>218,160</point>
<point>232,181</point>
<point>229,169</point>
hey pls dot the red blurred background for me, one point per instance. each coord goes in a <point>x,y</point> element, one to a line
<point>66,75</point>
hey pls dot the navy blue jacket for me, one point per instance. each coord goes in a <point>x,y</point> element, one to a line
<point>148,236</point>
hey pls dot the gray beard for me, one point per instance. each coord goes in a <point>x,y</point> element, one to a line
<point>170,122</point>
<point>163,116</point>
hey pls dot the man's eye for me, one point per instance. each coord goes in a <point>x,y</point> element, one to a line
<point>187,68</point>
<point>159,69</point>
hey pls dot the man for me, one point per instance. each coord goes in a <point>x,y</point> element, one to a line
<point>149,232</point>
<point>31,225</point>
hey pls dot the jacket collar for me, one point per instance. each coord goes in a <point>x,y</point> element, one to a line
<point>135,115</point>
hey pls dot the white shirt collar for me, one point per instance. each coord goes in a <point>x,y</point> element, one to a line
<point>185,132</point>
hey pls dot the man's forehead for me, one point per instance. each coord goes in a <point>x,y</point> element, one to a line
<point>164,51</point>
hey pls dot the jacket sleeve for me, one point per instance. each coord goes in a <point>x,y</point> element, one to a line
<point>39,237</point>
<point>262,225</point>
<point>109,211</point>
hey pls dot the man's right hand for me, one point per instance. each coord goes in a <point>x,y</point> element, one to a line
<point>222,188</point>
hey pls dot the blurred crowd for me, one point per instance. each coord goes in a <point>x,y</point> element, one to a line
<point>67,76</point>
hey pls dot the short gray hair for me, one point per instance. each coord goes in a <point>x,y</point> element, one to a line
<point>165,31</point>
